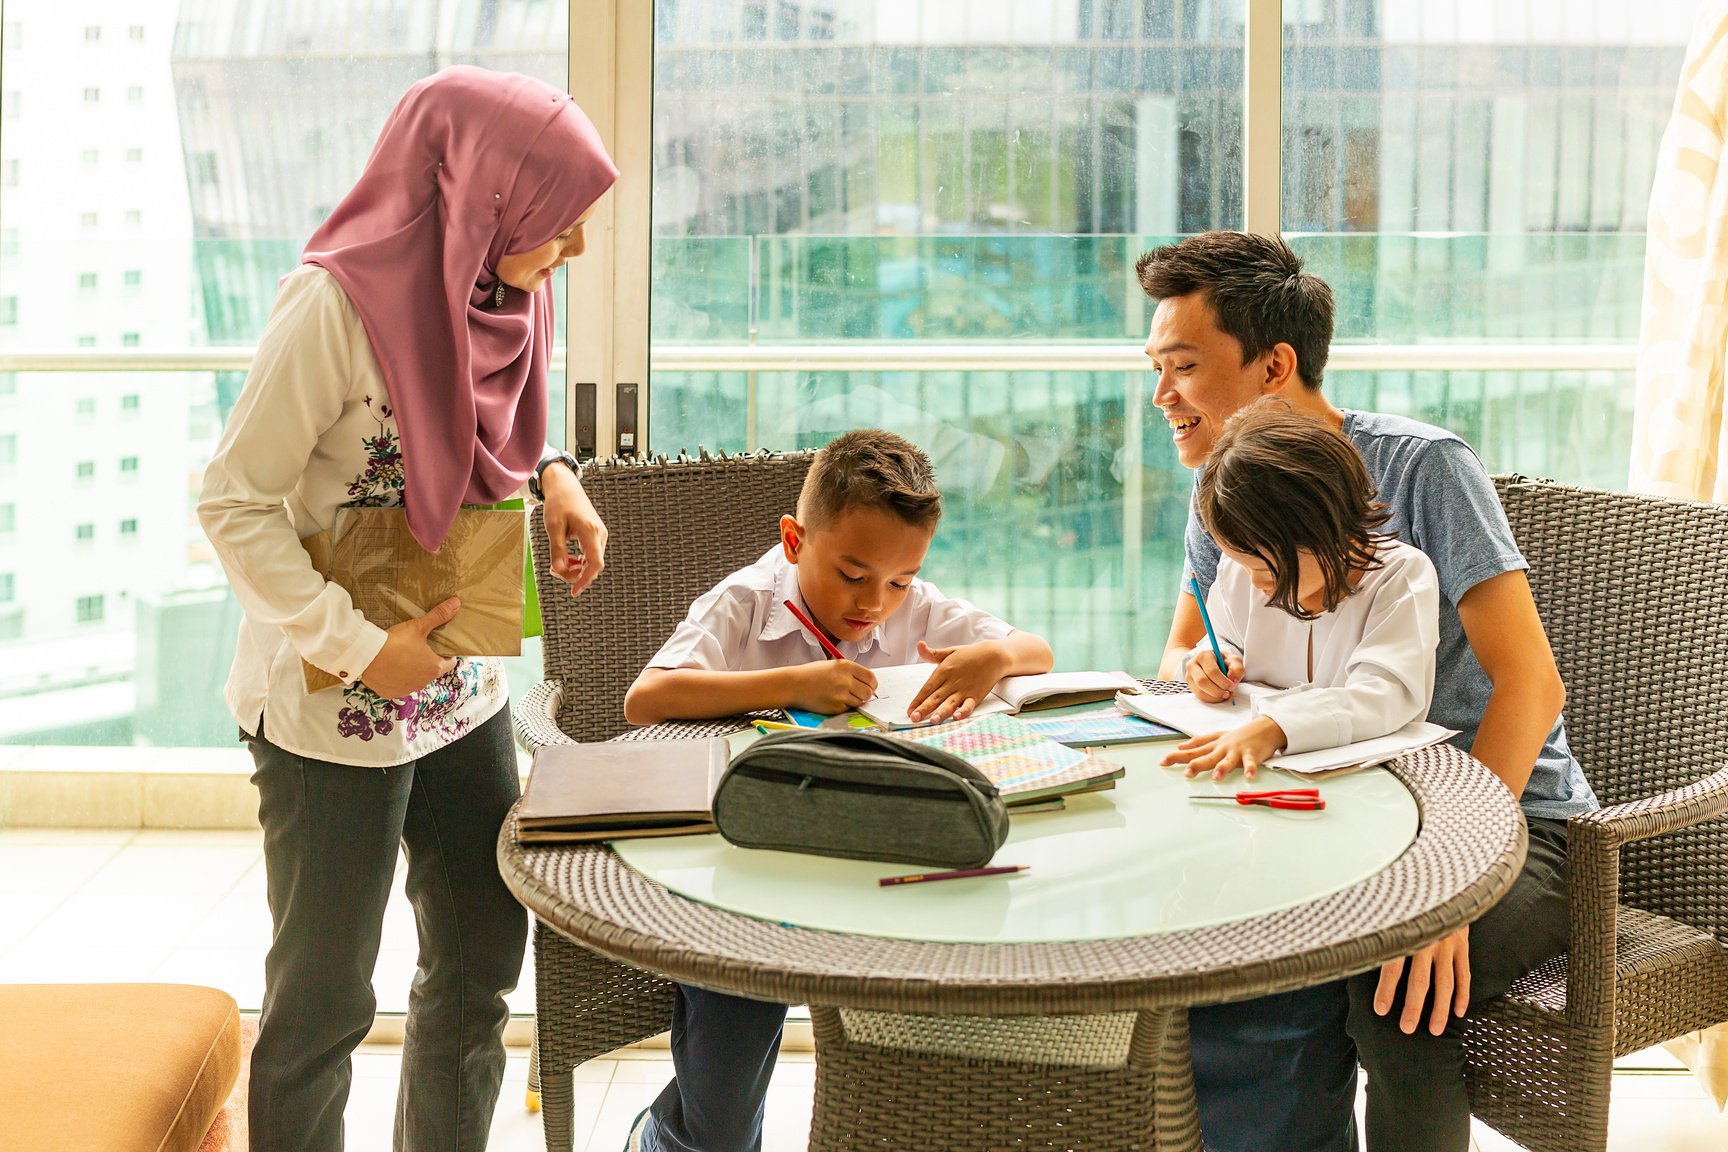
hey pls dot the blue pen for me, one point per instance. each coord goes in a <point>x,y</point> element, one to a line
<point>1194,583</point>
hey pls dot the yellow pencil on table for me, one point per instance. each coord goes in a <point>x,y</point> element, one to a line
<point>766,726</point>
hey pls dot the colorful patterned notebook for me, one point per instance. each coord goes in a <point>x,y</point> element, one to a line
<point>1021,763</point>
<point>1092,729</point>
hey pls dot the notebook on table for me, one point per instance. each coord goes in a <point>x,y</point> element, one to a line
<point>621,788</point>
<point>1024,766</point>
<point>1189,714</point>
<point>897,688</point>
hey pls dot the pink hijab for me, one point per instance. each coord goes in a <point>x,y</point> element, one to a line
<point>472,165</point>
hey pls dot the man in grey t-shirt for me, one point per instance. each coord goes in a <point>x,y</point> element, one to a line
<point>1238,319</point>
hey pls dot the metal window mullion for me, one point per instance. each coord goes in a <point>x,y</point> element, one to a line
<point>589,301</point>
<point>611,75</point>
<point>1262,113</point>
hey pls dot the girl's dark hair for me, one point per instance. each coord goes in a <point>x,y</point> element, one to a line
<point>1277,481</point>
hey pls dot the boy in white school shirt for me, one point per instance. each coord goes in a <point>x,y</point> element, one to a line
<point>849,561</point>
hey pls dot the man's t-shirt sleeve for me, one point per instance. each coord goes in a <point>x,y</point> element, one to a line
<point>1202,553</point>
<point>1456,518</point>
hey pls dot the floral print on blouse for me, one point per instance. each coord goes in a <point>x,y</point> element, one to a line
<point>435,710</point>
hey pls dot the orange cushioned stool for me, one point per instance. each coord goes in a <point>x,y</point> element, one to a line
<point>114,1067</point>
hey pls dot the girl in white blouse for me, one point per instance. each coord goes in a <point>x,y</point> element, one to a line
<point>1309,598</point>
<point>404,364</point>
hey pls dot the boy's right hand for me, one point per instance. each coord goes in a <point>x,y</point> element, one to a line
<point>830,686</point>
<point>406,663</point>
<point>1210,684</point>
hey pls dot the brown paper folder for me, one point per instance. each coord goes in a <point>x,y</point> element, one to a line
<point>621,788</point>
<point>371,553</point>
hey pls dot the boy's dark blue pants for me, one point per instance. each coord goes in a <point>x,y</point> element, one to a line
<point>723,1052</point>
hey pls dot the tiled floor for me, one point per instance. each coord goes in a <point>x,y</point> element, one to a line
<point>189,906</point>
<point>609,1094</point>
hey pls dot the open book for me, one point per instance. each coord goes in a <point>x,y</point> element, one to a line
<point>897,690</point>
<point>1024,766</point>
<point>621,788</point>
<point>1187,713</point>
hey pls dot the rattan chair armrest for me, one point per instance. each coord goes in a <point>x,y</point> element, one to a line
<point>537,716</point>
<point>1593,844</point>
<point>1621,824</point>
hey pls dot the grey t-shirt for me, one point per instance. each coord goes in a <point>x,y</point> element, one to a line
<point>1443,502</point>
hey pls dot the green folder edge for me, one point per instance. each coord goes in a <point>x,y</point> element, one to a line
<point>530,594</point>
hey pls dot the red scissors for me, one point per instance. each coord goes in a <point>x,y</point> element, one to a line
<point>1295,799</point>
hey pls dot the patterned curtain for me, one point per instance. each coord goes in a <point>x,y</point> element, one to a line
<point>1677,427</point>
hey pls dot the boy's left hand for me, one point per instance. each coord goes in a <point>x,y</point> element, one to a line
<point>1221,753</point>
<point>963,676</point>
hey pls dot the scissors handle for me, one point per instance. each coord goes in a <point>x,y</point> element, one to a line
<point>1275,800</point>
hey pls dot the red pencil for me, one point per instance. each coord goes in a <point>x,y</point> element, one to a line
<point>957,874</point>
<point>827,644</point>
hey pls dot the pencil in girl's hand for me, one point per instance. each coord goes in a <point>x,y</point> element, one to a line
<point>827,644</point>
<point>1217,653</point>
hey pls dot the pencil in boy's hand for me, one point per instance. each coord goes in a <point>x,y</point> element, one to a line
<point>1217,653</point>
<point>827,644</point>
<point>956,874</point>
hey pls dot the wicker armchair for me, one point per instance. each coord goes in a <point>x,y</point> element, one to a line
<point>1633,592</point>
<point>676,527</point>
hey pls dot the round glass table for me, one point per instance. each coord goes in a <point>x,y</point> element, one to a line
<point>1024,1010</point>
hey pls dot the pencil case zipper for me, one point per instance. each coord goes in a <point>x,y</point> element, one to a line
<point>805,780</point>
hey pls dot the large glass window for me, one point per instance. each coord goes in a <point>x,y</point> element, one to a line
<point>269,121</point>
<point>923,172</point>
<point>1468,173</point>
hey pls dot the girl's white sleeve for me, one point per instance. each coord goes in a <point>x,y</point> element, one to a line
<point>294,393</point>
<point>1388,680</point>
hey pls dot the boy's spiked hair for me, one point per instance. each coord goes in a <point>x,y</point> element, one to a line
<point>870,468</point>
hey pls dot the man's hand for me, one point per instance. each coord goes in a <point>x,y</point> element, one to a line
<point>1221,753</point>
<point>406,664</point>
<point>830,686</point>
<point>570,514</point>
<point>963,676</point>
<point>1211,684</point>
<point>1445,966</point>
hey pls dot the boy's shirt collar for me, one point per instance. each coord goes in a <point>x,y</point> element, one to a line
<point>781,623</point>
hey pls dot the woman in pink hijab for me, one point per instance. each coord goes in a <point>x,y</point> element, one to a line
<point>404,363</point>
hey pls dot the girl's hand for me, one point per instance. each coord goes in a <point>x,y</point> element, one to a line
<point>1210,684</point>
<point>830,687</point>
<point>963,676</point>
<point>1221,753</point>
<point>570,514</point>
<point>406,663</point>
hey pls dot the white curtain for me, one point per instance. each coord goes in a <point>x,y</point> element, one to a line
<point>1677,427</point>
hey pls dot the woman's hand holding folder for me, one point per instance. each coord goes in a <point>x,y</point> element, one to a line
<point>406,663</point>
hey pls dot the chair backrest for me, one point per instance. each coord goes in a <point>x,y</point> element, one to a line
<point>674,529</point>
<point>1633,592</point>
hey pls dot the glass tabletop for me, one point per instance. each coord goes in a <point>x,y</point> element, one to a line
<point>1136,860</point>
